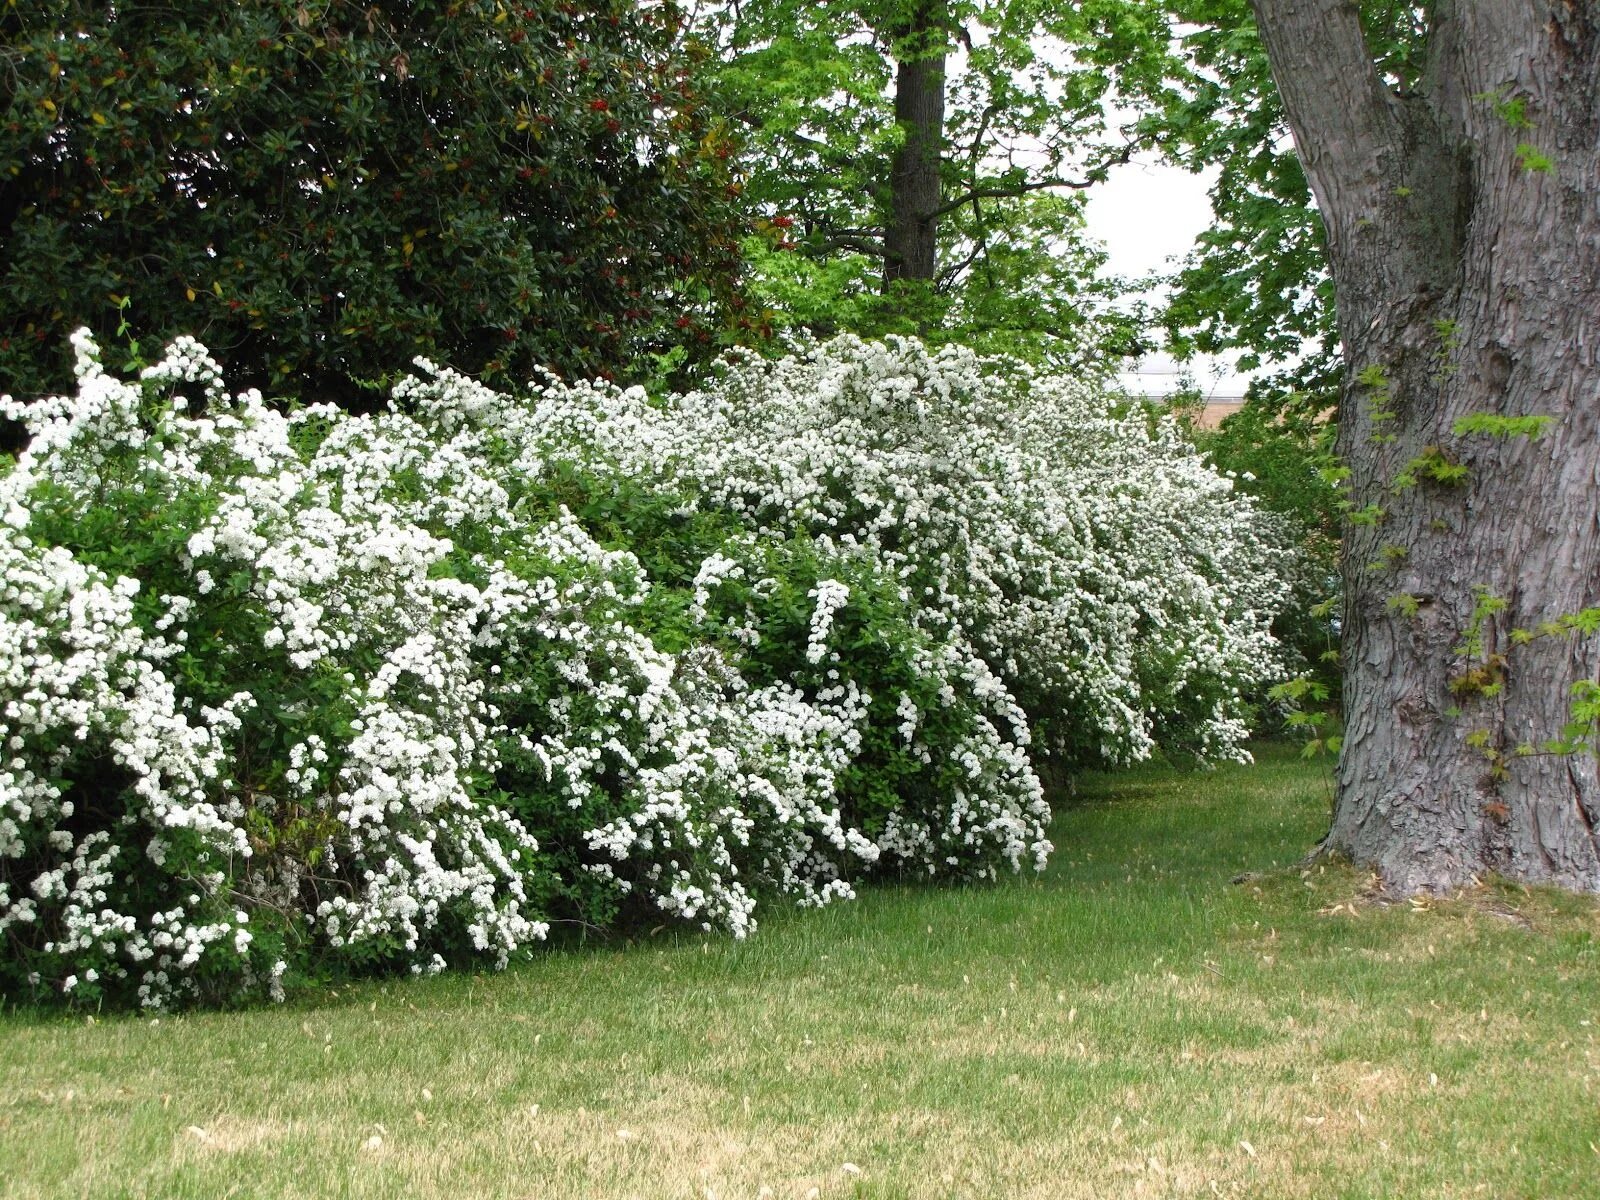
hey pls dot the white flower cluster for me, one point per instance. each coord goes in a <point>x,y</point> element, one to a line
<point>729,784</point>
<point>289,725</point>
<point>316,693</point>
<point>830,595</point>
<point>1121,587</point>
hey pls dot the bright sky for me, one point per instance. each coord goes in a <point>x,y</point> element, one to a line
<point>1148,215</point>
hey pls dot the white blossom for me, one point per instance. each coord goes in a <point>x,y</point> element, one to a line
<point>292,733</point>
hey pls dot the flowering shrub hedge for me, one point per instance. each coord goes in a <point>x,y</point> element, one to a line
<point>1121,588</point>
<point>311,693</point>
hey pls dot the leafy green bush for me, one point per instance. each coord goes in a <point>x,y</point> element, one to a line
<point>322,190</point>
<point>1281,454</point>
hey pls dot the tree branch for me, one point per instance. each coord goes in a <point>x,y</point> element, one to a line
<point>1388,177</point>
<point>980,246</point>
<point>821,148</point>
<point>1094,175</point>
<point>841,242</point>
<point>1343,116</point>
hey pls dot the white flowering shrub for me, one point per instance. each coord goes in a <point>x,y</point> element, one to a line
<point>296,695</point>
<point>237,717</point>
<point>1118,586</point>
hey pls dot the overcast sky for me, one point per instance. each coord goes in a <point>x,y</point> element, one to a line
<point>1148,215</point>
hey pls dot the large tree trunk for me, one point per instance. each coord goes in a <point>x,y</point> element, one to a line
<point>910,244</point>
<point>1467,281</point>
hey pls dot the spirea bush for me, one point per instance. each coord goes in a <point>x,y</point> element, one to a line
<point>1118,587</point>
<point>294,695</point>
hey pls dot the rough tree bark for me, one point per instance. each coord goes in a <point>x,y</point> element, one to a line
<point>911,239</point>
<point>1463,226</point>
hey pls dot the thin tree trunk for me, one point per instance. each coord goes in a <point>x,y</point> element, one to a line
<point>911,242</point>
<point>1467,283</point>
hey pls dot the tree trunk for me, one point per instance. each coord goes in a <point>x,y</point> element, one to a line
<point>910,244</point>
<point>1464,237</point>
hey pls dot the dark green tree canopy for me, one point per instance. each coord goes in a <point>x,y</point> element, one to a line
<point>321,190</point>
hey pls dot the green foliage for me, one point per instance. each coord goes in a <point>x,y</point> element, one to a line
<point>1513,110</point>
<point>1584,623</point>
<point>323,190</point>
<point>1378,403</point>
<point>810,87</point>
<point>1495,425</point>
<point>1257,282</point>
<point>1483,673</point>
<point>1374,377</point>
<point>1583,733</point>
<point>1309,712</point>
<point>1485,605</point>
<point>1405,604</point>
<point>1390,556</point>
<point>1449,333</point>
<point>1285,460</point>
<point>1433,465</point>
<point>1531,158</point>
<point>1283,456</point>
<point>882,652</point>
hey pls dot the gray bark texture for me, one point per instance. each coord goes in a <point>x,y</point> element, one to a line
<point>911,241</point>
<point>1468,281</point>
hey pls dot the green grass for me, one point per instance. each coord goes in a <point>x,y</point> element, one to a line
<point>1129,1024</point>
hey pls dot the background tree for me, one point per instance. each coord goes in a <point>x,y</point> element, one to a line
<point>1460,196</point>
<point>1256,285</point>
<point>918,164</point>
<point>321,189</point>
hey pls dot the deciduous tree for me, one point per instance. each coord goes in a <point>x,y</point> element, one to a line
<point>1461,205</point>
<point>920,162</point>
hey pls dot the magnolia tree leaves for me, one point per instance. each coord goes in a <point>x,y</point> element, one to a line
<point>321,190</point>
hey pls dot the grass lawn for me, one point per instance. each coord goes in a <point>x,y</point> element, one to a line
<point>1129,1024</point>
